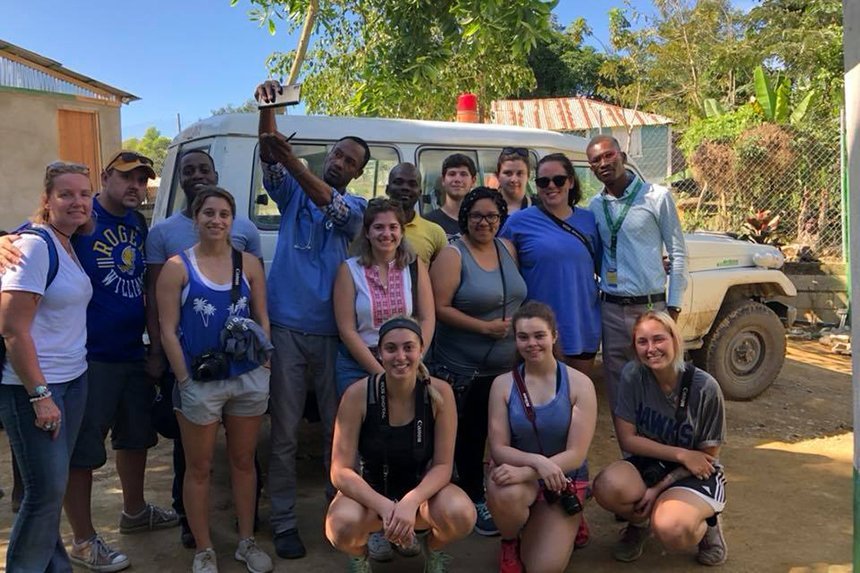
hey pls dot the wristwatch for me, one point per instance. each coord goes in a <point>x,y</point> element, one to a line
<point>39,391</point>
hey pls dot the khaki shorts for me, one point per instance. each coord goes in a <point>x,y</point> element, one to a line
<point>203,403</point>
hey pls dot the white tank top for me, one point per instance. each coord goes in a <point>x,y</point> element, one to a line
<point>374,302</point>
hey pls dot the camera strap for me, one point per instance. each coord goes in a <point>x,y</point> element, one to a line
<point>527,401</point>
<point>236,286</point>
<point>419,438</point>
<point>683,398</point>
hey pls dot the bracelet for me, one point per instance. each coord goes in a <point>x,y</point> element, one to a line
<point>35,399</point>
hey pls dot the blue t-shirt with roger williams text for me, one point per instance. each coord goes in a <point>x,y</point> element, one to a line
<point>113,258</point>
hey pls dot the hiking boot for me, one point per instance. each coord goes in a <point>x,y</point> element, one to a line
<point>359,565</point>
<point>288,545</point>
<point>583,534</point>
<point>712,547</point>
<point>96,555</point>
<point>485,525</point>
<point>378,548</point>
<point>254,558</point>
<point>205,562</point>
<point>150,518</point>
<point>434,561</point>
<point>632,543</point>
<point>509,557</point>
<point>410,551</point>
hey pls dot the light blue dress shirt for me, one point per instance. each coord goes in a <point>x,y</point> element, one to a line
<point>651,223</point>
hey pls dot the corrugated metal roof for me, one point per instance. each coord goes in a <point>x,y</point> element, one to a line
<point>569,114</point>
<point>60,70</point>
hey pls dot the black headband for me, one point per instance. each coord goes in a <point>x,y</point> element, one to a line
<point>396,323</point>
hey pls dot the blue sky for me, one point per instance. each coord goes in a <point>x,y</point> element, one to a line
<point>183,57</point>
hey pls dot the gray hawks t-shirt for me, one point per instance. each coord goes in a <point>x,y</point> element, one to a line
<point>176,234</point>
<point>641,402</point>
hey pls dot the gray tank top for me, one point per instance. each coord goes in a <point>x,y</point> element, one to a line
<point>480,295</point>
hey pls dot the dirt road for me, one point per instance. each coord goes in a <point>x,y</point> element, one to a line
<point>788,463</point>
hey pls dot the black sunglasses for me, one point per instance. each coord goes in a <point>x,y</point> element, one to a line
<point>557,180</point>
<point>129,156</point>
<point>521,151</point>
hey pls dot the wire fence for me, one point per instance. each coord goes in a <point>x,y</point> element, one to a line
<point>772,185</point>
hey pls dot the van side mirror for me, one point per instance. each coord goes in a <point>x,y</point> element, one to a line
<point>262,199</point>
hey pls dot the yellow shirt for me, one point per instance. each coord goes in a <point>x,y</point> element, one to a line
<point>425,237</point>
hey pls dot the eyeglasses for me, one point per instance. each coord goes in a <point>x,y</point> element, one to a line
<point>557,180</point>
<point>490,218</point>
<point>60,167</point>
<point>607,156</point>
<point>521,151</point>
<point>128,157</point>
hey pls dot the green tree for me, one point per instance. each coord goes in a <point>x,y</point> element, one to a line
<point>152,144</point>
<point>802,40</point>
<point>563,66</point>
<point>250,106</point>
<point>696,51</point>
<point>410,58</point>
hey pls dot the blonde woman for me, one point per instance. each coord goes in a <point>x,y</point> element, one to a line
<point>671,418</point>
<point>43,316</point>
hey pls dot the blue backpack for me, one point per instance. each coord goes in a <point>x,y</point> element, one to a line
<point>53,268</point>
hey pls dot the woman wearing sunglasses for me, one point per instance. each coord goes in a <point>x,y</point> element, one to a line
<point>43,316</point>
<point>558,245</point>
<point>477,287</point>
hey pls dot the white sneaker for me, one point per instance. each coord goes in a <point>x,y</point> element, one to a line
<point>378,548</point>
<point>205,562</point>
<point>98,556</point>
<point>254,558</point>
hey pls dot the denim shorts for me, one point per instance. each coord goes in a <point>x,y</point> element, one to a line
<point>120,402</point>
<point>204,403</point>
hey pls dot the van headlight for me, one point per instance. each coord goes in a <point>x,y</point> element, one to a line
<point>769,259</point>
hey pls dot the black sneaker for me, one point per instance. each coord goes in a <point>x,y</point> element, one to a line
<point>288,545</point>
<point>484,525</point>
<point>185,535</point>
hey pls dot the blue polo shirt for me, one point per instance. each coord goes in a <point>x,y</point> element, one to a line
<point>312,243</point>
<point>113,258</point>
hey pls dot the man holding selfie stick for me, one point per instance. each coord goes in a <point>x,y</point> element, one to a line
<point>319,219</point>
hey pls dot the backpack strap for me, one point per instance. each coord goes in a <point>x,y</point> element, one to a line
<point>413,276</point>
<point>142,227</point>
<point>53,256</point>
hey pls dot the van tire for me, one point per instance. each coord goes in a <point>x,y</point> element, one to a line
<point>744,350</point>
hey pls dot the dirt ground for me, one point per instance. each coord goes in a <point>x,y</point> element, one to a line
<point>788,463</point>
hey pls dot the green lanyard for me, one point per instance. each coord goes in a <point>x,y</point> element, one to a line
<point>615,226</point>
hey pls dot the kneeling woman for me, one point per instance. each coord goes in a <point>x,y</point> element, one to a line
<point>198,292</point>
<point>542,419</point>
<point>403,424</point>
<point>671,419</point>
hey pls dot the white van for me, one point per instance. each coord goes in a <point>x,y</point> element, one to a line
<point>231,140</point>
<point>732,317</point>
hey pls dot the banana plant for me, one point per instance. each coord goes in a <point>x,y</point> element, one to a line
<point>774,101</point>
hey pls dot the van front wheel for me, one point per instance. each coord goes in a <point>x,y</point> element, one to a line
<point>745,349</point>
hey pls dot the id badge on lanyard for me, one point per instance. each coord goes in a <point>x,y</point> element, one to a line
<point>614,228</point>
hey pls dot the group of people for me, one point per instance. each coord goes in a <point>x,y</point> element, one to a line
<point>428,342</point>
